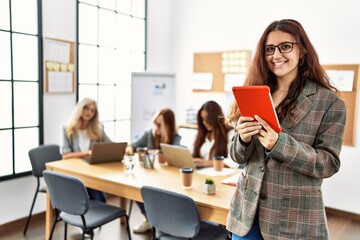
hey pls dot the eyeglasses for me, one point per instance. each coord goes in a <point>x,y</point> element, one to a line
<point>92,110</point>
<point>284,47</point>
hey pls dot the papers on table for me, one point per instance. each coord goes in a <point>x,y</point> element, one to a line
<point>231,180</point>
<point>211,172</point>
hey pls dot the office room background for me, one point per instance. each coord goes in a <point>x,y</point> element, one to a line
<point>176,29</point>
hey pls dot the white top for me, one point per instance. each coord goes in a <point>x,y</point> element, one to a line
<point>84,141</point>
<point>207,145</point>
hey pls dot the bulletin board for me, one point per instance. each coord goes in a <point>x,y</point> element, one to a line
<point>350,97</point>
<point>59,67</point>
<point>219,64</point>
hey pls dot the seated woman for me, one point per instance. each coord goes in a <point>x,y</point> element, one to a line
<point>163,131</point>
<point>213,136</point>
<point>80,133</point>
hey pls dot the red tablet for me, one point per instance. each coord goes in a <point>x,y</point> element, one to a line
<point>256,100</point>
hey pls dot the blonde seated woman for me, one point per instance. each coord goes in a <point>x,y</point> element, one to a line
<point>80,133</point>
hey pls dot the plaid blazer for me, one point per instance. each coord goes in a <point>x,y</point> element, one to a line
<point>284,184</point>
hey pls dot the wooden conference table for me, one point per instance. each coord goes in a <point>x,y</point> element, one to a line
<point>112,178</point>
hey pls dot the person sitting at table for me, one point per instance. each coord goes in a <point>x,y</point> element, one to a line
<point>163,131</point>
<point>213,136</point>
<point>80,133</point>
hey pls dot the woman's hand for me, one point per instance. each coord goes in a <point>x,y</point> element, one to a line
<point>202,162</point>
<point>247,128</point>
<point>267,136</point>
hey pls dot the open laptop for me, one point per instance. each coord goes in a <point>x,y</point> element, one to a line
<point>106,152</point>
<point>177,156</point>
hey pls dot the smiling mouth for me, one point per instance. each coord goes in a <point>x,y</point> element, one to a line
<point>279,64</point>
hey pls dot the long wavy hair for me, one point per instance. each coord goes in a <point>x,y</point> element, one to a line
<point>309,68</point>
<point>94,130</point>
<point>168,129</point>
<point>215,117</point>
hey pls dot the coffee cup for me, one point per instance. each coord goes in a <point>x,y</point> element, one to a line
<point>218,163</point>
<point>186,177</point>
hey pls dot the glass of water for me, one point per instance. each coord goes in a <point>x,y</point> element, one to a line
<point>129,162</point>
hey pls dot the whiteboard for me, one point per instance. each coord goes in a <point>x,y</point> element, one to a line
<point>150,92</point>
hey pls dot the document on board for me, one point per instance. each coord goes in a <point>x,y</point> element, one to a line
<point>202,81</point>
<point>57,51</point>
<point>60,82</point>
<point>343,80</point>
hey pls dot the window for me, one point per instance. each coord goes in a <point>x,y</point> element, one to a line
<point>111,45</point>
<point>20,90</point>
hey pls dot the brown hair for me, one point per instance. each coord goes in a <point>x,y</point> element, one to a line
<point>170,127</point>
<point>309,68</point>
<point>215,117</point>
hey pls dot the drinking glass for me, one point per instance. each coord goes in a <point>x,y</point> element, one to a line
<point>129,162</point>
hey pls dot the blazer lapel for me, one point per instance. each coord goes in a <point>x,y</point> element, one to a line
<point>302,108</point>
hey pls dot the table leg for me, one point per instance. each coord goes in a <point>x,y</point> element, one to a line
<point>49,216</point>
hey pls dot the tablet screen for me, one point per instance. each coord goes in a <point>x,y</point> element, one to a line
<point>256,100</point>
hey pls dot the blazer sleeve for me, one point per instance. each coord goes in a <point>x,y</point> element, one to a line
<point>143,141</point>
<point>66,142</point>
<point>239,151</point>
<point>319,159</point>
<point>104,136</point>
<point>176,139</point>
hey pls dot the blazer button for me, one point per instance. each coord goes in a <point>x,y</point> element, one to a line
<point>262,196</point>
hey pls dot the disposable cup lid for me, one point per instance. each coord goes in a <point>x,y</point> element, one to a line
<point>219,157</point>
<point>187,170</point>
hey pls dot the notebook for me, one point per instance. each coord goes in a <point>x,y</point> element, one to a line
<point>256,100</point>
<point>177,156</point>
<point>106,152</point>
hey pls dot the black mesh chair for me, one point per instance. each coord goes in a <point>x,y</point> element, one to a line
<point>72,205</point>
<point>38,157</point>
<point>175,216</point>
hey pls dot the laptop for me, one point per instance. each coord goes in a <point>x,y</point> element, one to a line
<point>106,152</point>
<point>177,156</point>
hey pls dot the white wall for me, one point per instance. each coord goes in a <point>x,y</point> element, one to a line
<point>177,29</point>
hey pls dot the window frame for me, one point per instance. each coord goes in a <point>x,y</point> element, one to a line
<point>39,81</point>
<point>98,85</point>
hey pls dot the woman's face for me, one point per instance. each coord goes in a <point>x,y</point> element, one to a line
<point>204,117</point>
<point>284,65</point>
<point>159,126</point>
<point>88,112</point>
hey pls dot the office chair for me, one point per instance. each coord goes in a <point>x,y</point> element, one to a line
<point>175,216</point>
<point>38,157</point>
<point>72,205</point>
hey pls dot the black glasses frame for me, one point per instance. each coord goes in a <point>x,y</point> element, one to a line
<point>279,47</point>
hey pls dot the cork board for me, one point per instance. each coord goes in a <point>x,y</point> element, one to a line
<point>350,99</point>
<point>59,67</point>
<point>220,63</point>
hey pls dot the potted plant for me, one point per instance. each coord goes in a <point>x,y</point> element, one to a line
<point>209,186</point>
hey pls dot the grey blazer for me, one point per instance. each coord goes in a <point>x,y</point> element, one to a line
<point>72,144</point>
<point>284,184</point>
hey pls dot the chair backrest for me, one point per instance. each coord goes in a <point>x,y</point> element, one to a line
<point>41,155</point>
<point>67,193</point>
<point>172,213</point>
